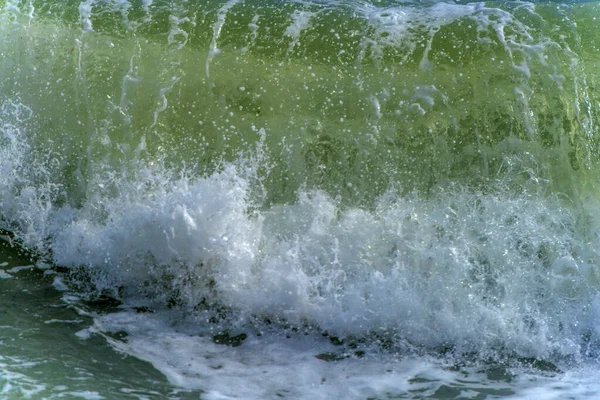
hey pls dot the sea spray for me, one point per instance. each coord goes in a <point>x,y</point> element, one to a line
<point>380,180</point>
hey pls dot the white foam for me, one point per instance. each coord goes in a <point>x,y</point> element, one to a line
<point>85,15</point>
<point>479,271</point>
<point>300,22</point>
<point>262,368</point>
<point>63,321</point>
<point>59,284</point>
<point>4,275</point>
<point>14,383</point>
<point>476,270</point>
<point>577,383</point>
<point>405,27</point>
<point>401,27</point>
<point>15,270</point>
<point>87,395</point>
<point>271,366</point>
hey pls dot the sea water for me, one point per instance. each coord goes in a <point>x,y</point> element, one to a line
<point>299,199</point>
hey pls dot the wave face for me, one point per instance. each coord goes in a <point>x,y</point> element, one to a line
<point>418,176</point>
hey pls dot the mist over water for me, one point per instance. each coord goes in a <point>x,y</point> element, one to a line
<point>354,188</point>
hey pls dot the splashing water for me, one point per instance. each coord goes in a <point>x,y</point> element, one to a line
<point>293,192</point>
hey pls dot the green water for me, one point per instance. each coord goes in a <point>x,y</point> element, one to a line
<point>346,106</point>
<point>42,358</point>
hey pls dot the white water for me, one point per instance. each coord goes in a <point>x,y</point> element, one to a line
<point>480,271</point>
<point>273,366</point>
<point>483,272</point>
<point>489,275</point>
<point>416,283</point>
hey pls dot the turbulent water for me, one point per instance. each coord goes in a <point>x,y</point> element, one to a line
<point>299,199</point>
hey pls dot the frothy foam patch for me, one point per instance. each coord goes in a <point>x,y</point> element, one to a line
<point>262,367</point>
<point>311,367</point>
<point>483,272</point>
<point>576,384</point>
<point>162,226</point>
<point>457,273</point>
<point>300,21</point>
<point>409,28</point>
<point>13,383</point>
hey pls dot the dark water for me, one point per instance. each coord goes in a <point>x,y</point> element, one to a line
<point>41,355</point>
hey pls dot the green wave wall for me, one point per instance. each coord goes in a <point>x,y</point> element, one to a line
<point>352,98</point>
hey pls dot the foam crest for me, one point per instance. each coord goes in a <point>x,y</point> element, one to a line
<point>159,226</point>
<point>409,27</point>
<point>402,26</point>
<point>479,268</point>
<point>483,272</point>
<point>478,271</point>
